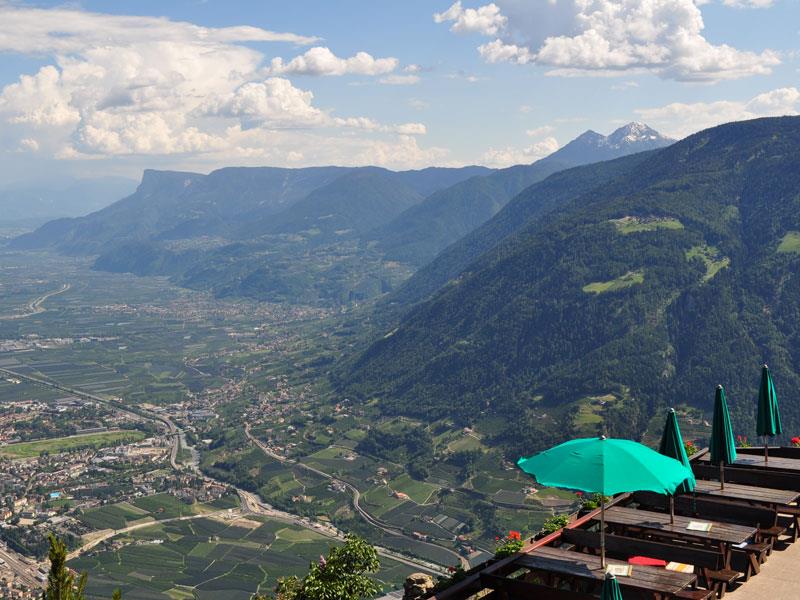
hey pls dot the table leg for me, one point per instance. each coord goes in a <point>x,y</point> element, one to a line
<point>726,552</point>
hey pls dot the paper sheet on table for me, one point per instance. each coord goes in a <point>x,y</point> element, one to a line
<point>619,570</point>
<point>698,526</point>
<point>680,567</point>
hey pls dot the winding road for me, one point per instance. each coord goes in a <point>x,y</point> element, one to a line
<point>383,526</point>
<point>35,306</point>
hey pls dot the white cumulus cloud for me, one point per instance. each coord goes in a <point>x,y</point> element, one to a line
<point>486,20</point>
<point>274,102</point>
<point>680,119</point>
<point>142,86</point>
<point>62,30</point>
<point>505,157</point>
<point>321,61</point>
<point>539,131</point>
<point>749,3</point>
<point>586,37</point>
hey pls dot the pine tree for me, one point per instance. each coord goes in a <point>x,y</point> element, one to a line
<point>61,583</point>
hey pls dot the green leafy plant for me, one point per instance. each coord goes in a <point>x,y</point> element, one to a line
<point>593,501</point>
<point>743,442</point>
<point>690,448</point>
<point>554,523</point>
<point>457,573</point>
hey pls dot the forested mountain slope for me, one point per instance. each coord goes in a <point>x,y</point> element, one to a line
<point>532,203</point>
<point>348,206</point>
<point>646,291</point>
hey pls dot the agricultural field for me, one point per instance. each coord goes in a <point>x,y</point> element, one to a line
<point>209,558</point>
<point>620,283</point>
<point>154,508</point>
<point>790,243</point>
<point>64,444</point>
<point>710,255</point>
<point>628,225</point>
<point>113,516</point>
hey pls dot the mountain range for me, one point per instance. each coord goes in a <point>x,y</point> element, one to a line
<point>659,276</point>
<point>425,229</point>
<point>578,298</point>
<point>324,234</point>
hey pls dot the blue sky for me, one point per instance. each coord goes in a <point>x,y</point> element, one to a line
<point>95,88</point>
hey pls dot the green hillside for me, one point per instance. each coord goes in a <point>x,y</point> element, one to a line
<point>575,306</point>
<point>351,205</point>
<point>533,202</point>
<point>419,233</point>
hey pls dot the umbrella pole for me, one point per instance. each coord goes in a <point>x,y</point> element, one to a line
<point>671,509</point>
<point>602,533</point>
<point>721,475</point>
<point>766,450</point>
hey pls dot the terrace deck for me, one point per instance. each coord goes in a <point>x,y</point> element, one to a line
<point>777,581</point>
<point>546,566</point>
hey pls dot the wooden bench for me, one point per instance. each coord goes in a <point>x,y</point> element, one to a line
<point>707,562</point>
<point>770,479</point>
<point>765,519</point>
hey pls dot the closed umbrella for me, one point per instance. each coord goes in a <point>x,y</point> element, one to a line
<point>768,422</point>
<point>607,467</point>
<point>672,445</point>
<point>610,589</point>
<point>723,447</point>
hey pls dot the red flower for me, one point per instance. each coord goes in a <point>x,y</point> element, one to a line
<point>497,538</point>
<point>514,535</point>
<point>579,494</point>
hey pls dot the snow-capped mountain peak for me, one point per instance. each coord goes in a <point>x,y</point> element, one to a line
<point>591,146</point>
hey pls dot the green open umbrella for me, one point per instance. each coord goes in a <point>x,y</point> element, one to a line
<point>605,466</point>
<point>672,445</point>
<point>723,447</point>
<point>768,422</point>
<point>610,589</point>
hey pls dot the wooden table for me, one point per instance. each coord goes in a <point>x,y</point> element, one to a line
<point>748,493</point>
<point>776,463</point>
<point>575,565</point>
<point>721,535</point>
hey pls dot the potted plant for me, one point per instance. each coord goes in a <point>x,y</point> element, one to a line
<point>511,544</point>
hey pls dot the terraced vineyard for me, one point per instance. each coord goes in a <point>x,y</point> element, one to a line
<point>208,558</point>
